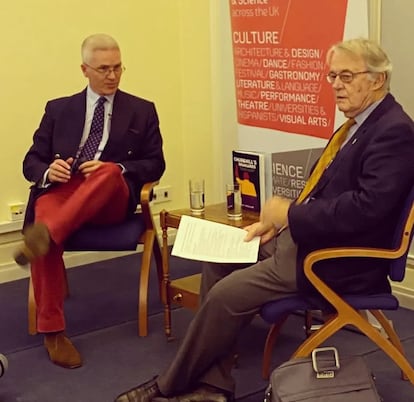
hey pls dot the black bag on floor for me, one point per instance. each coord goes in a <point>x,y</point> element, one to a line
<point>322,378</point>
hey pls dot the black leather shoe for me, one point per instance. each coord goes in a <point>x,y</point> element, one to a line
<point>204,393</point>
<point>3,364</point>
<point>142,393</point>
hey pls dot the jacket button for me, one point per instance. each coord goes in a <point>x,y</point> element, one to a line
<point>129,153</point>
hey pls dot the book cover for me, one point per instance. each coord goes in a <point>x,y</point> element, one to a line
<point>291,169</point>
<point>249,172</point>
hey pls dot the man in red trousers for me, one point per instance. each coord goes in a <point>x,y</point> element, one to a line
<point>90,156</point>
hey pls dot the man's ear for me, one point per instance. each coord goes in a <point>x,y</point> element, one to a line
<point>83,68</point>
<point>380,79</point>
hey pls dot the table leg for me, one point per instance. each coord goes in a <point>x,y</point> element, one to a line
<point>165,276</point>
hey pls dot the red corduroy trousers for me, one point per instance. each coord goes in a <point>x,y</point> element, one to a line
<point>101,198</point>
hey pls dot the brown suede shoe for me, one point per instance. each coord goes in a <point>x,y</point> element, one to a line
<point>61,350</point>
<point>36,243</point>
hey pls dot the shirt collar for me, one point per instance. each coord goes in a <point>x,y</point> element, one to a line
<point>92,97</point>
<point>364,115</point>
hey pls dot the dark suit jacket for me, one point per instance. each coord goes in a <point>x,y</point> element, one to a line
<point>357,201</point>
<point>134,141</point>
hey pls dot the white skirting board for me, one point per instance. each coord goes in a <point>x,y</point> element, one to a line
<point>10,271</point>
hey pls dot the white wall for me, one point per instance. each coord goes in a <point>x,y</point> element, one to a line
<point>397,33</point>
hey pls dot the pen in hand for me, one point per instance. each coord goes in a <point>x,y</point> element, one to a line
<point>60,170</point>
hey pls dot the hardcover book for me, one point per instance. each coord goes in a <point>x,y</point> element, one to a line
<point>249,172</point>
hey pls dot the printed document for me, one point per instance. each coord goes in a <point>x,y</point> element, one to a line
<point>199,239</point>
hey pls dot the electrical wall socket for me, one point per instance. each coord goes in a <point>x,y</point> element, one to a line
<point>17,211</point>
<point>161,194</point>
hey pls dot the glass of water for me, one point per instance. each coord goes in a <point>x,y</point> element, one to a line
<point>234,204</point>
<point>197,196</point>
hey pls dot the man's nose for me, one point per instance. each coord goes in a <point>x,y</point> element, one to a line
<point>111,73</point>
<point>337,83</point>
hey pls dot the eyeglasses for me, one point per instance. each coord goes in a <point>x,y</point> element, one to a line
<point>345,76</point>
<point>107,70</point>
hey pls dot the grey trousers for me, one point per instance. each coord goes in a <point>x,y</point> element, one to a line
<point>231,295</point>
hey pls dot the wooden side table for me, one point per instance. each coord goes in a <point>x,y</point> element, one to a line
<point>185,291</point>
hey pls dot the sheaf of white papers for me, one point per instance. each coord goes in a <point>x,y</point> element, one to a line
<point>200,239</point>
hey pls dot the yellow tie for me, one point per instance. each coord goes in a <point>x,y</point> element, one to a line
<point>326,158</point>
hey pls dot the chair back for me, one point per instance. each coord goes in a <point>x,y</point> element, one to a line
<point>402,238</point>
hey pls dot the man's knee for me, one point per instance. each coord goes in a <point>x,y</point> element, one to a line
<point>109,175</point>
<point>110,170</point>
<point>222,293</point>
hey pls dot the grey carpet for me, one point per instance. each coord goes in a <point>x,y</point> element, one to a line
<point>102,322</point>
<point>109,289</point>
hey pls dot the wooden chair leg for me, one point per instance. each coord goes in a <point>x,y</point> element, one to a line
<point>387,345</point>
<point>158,263</point>
<point>31,310</point>
<point>392,336</point>
<point>165,279</point>
<point>143,284</point>
<point>330,327</point>
<point>308,323</point>
<point>268,347</point>
<point>320,316</point>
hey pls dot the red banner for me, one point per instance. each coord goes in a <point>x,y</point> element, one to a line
<point>279,53</point>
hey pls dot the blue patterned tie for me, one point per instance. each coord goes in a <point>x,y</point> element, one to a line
<point>95,134</point>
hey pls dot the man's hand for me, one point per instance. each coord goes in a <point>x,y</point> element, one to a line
<point>86,168</point>
<point>265,232</point>
<point>275,212</point>
<point>274,216</point>
<point>59,170</point>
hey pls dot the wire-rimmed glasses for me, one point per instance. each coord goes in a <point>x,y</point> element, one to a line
<point>107,70</point>
<point>345,76</point>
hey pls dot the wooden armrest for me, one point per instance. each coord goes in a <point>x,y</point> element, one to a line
<point>145,203</point>
<point>340,252</point>
<point>343,252</point>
